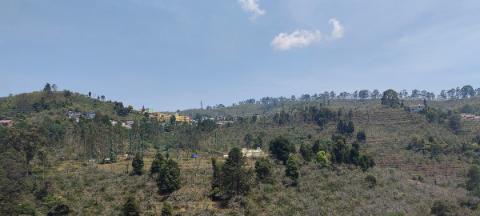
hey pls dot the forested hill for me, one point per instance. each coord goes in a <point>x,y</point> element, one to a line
<point>66,153</point>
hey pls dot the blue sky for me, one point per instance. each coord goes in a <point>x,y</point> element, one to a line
<point>171,54</point>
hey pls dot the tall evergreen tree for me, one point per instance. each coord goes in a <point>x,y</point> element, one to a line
<point>168,179</point>
<point>137,165</point>
<point>157,163</point>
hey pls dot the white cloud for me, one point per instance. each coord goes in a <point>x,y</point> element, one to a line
<point>305,38</point>
<point>252,7</point>
<point>297,39</point>
<point>338,30</point>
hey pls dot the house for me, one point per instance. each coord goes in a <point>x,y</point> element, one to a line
<point>253,153</point>
<point>416,108</point>
<point>470,117</point>
<point>6,123</point>
<point>74,115</point>
<point>90,115</point>
<point>165,117</point>
<point>113,122</point>
<point>128,124</point>
<point>222,123</point>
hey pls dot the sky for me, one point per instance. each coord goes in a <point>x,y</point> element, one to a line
<point>172,54</point>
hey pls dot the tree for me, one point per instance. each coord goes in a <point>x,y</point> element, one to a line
<point>137,165</point>
<point>340,149</point>
<point>454,122</point>
<point>157,163</point>
<point>236,180</point>
<point>344,127</point>
<point>467,91</point>
<point>168,179</point>
<point>248,139</point>
<point>365,162</point>
<point>306,152</point>
<point>361,136</point>
<point>54,87</point>
<point>292,169</point>
<point>130,208</point>
<point>47,88</point>
<point>390,98</point>
<point>59,210</point>
<point>167,209</point>
<point>216,190</point>
<point>473,180</point>
<point>281,148</point>
<point>264,170</point>
<point>363,94</point>
<point>375,94</point>
<point>323,159</point>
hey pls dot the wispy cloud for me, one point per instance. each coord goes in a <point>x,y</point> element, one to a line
<point>296,39</point>
<point>304,38</point>
<point>338,30</point>
<point>252,6</point>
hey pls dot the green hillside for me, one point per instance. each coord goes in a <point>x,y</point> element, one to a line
<point>407,163</point>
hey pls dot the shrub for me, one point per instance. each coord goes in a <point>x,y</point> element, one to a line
<point>361,136</point>
<point>323,158</point>
<point>281,148</point>
<point>292,169</point>
<point>167,209</point>
<point>443,208</point>
<point>59,210</point>
<point>371,181</point>
<point>263,170</point>
<point>130,208</point>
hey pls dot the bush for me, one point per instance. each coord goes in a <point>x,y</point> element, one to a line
<point>292,169</point>
<point>443,208</point>
<point>473,180</point>
<point>371,181</point>
<point>323,158</point>
<point>130,208</point>
<point>167,209</point>
<point>361,136</point>
<point>59,210</point>
<point>263,170</point>
<point>157,163</point>
<point>281,148</point>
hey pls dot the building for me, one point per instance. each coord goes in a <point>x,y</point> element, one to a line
<point>165,117</point>
<point>253,153</point>
<point>128,124</point>
<point>6,123</point>
<point>416,108</point>
<point>183,119</point>
<point>470,117</point>
<point>161,117</point>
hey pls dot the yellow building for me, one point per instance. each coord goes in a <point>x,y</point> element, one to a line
<point>165,117</point>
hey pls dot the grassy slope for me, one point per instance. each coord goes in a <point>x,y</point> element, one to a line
<point>101,189</point>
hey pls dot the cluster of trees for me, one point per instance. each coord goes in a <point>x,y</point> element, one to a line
<point>425,146</point>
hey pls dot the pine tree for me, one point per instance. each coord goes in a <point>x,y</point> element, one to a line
<point>157,163</point>
<point>236,180</point>
<point>216,192</point>
<point>130,208</point>
<point>137,165</point>
<point>168,179</point>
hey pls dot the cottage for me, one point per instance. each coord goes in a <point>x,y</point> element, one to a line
<point>416,108</point>
<point>90,115</point>
<point>6,123</point>
<point>470,117</point>
<point>74,115</point>
<point>253,153</point>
